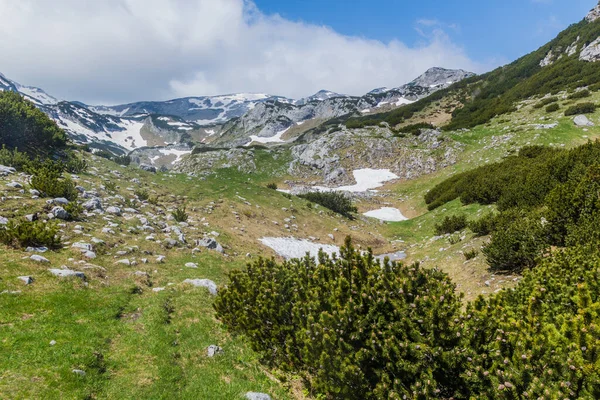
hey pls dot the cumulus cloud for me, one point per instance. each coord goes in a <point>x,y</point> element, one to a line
<point>115,51</point>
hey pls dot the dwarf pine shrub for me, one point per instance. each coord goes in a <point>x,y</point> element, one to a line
<point>180,215</point>
<point>49,182</point>
<point>451,224</point>
<point>581,108</point>
<point>35,234</point>
<point>355,328</point>
<point>335,201</point>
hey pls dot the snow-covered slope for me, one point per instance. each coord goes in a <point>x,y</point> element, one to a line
<point>208,110</point>
<point>36,95</point>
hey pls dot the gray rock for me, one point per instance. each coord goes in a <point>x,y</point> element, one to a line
<point>28,280</point>
<point>89,254</point>
<point>160,259</point>
<point>207,283</point>
<point>34,192</point>
<point>148,168</point>
<point>114,210</point>
<point>31,217</point>
<point>582,120</point>
<point>41,249</point>
<point>257,396</point>
<point>82,246</point>
<point>124,261</point>
<point>15,185</point>
<point>4,170</point>
<point>67,273</point>
<point>79,372</point>
<point>210,244</point>
<point>93,204</point>
<point>60,213</point>
<point>191,265</point>
<point>594,14</point>
<point>39,258</point>
<point>591,52</point>
<point>213,350</point>
<point>170,243</point>
<point>59,200</point>
<point>3,221</point>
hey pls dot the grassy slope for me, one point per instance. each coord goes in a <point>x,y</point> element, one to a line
<point>133,342</point>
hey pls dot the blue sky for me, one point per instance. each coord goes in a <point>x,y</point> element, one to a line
<point>491,31</point>
<point>120,51</point>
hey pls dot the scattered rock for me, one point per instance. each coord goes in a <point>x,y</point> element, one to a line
<point>59,200</point>
<point>89,255</point>
<point>14,185</point>
<point>114,210</point>
<point>36,249</point>
<point>191,265</point>
<point>79,372</point>
<point>213,350</point>
<point>26,279</point>
<point>210,244</point>
<point>52,342</point>
<point>124,261</point>
<point>39,258</point>
<point>160,259</point>
<point>60,213</point>
<point>591,52</point>
<point>67,273</point>
<point>4,170</point>
<point>148,168</point>
<point>93,204</point>
<point>207,283</point>
<point>158,289</point>
<point>257,396</point>
<point>582,120</point>
<point>3,221</point>
<point>82,246</point>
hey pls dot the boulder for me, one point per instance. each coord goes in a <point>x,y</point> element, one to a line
<point>14,185</point>
<point>591,52</point>
<point>582,120</point>
<point>60,213</point>
<point>257,396</point>
<point>82,246</point>
<point>26,279</point>
<point>39,259</point>
<point>93,204</point>
<point>148,168</point>
<point>114,210</point>
<point>210,244</point>
<point>191,265</point>
<point>207,283</point>
<point>4,170</point>
<point>213,350</point>
<point>67,273</point>
<point>3,221</point>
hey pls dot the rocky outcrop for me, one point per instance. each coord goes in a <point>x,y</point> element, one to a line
<point>209,161</point>
<point>594,14</point>
<point>591,52</point>
<point>582,120</point>
<point>572,49</point>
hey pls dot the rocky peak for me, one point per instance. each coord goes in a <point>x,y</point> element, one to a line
<point>594,14</point>
<point>440,77</point>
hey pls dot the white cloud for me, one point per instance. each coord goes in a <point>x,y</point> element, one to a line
<point>126,50</point>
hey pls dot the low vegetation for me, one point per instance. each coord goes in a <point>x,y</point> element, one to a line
<point>337,202</point>
<point>25,234</point>
<point>581,108</point>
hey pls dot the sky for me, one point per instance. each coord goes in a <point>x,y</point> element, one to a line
<point>119,51</point>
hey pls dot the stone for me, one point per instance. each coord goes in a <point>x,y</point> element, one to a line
<point>210,244</point>
<point>207,283</point>
<point>124,261</point>
<point>82,246</point>
<point>158,289</point>
<point>591,52</point>
<point>97,241</point>
<point>3,221</point>
<point>114,210</point>
<point>31,217</point>
<point>79,372</point>
<point>59,200</point>
<point>4,170</point>
<point>191,265</point>
<point>582,120</point>
<point>52,342</point>
<point>594,14</point>
<point>89,255</point>
<point>213,350</point>
<point>14,185</point>
<point>60,213</point>
<point>28,280</point>
<point>41,249</point>
<point>170,243</point>
<point>148,168</point>
<point>257,396</point>
<point>39,259</point>
<point>34,192</point>
<point>93,204</point>
<point>67,273</point>
<point>160,259</point>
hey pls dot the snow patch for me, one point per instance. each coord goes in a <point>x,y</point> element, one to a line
<point>273,139</point>
<point>387,214</point>
<point>366,179</point>
<point>290,248</point>
<point>178,153</point>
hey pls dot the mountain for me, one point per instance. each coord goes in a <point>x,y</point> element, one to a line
<point>569,62</point>
<point>207,110</point>
<point>226,120</point>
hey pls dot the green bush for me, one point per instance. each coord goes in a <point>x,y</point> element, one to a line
<point>451,224</point>
<point>142,194</point>
<point>25,234</point>
<point>337,202</point>
<point>110,187</point>
<point>539,340</point>
<point>415,129</point>
<point>353,328</point>
<point>50,184</point>
<point>76,165</point>
<point>545,102</point>
<point>552,108</point>
<point>484,225</point>
<point>272,186</point>
<point>74,209</point>
<point>519,240</point>
<point>471,254</point>
<point>122,160</point>
<point>579,95</point>
<point>180,215</point>
<point>581,108</point>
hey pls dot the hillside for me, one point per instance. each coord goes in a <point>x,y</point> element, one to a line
<point>436,240</point>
